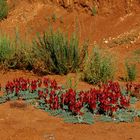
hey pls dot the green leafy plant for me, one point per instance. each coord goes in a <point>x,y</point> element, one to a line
<point>3,9</point>
<point>98,68</point>
<point>58,54</point>
<point>125,115</point>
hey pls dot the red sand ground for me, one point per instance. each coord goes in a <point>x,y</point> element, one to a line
<point>24,122</point>
<point>28,123</point>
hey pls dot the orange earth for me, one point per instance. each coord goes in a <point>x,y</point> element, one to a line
<point>19,121</point>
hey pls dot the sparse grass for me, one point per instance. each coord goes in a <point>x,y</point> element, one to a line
<point>131,71</point>
<point>6,50</point>
<point>94,11</point>
<point>136,55</point>
<point>98,68</point>
<point>14,54</point>
<point>54,17</point>
<point>3,9</point>
<point>137,52</point>
<point>72,82</point>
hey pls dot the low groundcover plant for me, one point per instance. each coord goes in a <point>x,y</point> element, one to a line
<point>107,101</point>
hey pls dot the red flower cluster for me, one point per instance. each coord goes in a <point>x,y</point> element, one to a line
<point>106,99</point>
<point>21,84</point>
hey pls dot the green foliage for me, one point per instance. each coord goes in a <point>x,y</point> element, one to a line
<point>121,115</point>
<point>98,68</point>
<point>15,54</point>
<point>125,115</point>
<point>6,49</point>
<point>131,71</point>
<point>42,105</point>
<point>2,99</point>
<point>137,52</point>
<point>133,100</point>
<point>3,9</point>
<point>87,118</point>
<point>56,112</point>
<point>54,18</point>
<point>58,54</point>
<point>94,11</point>
<point>138,113</point>
<point>52,53</point>
<point>136,55</point>
<point>8,97</point>
<point>71,83</point>
<point>105,118</point>
<point>26,95</point>
<point>23,53</point>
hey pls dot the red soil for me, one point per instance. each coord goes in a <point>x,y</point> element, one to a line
<point>28,123</point>
<point>19,121</point>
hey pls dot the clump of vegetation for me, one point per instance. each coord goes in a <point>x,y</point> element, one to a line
<point>3,9</point>
<point>6,50</point>
<point>98,68</point>
<point>14,54</point>
<point>137,52</point>
<point>131,71</point>
<point>54,17</point>
<point>94,11</point>
<point>58,54</point>
<point>136,55</point>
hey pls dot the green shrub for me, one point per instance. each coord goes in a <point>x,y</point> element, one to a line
<point>98,68</point>
<point>3,9</point>
<point>22,57</point>
<point>6,49</point>
<point>14,54</point>
<point>131,71</point>
<point>57,54</point>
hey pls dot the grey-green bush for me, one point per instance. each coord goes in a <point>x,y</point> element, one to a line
<point>98,68</point>
<point>131,71</point>
<point>3,9</point>
<point>57,54</point>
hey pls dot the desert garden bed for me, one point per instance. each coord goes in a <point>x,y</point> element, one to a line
<point>109,102</point>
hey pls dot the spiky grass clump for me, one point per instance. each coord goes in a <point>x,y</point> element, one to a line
<point>6,50</point>
<point>14,54</point>
<point>58,54</point>
<point>131,71</point>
